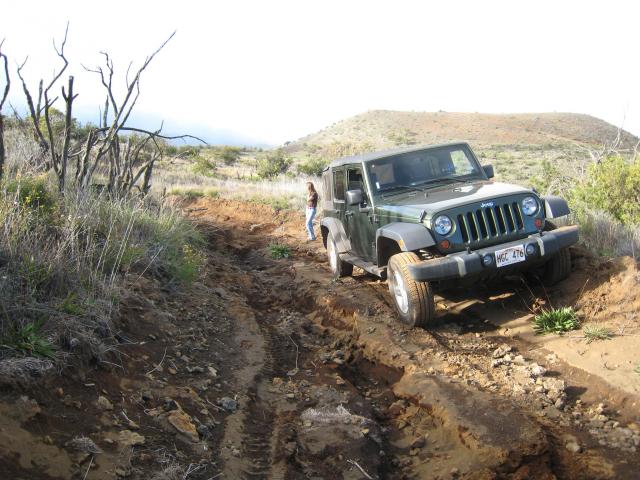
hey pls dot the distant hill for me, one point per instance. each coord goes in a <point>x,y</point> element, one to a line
<point>517,144</point>
<point>384,129</point>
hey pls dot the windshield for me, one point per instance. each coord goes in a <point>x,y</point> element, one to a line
<point>423,169</point>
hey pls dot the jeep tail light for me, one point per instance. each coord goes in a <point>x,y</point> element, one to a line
<point>538,223</point>
<point>445,244</point>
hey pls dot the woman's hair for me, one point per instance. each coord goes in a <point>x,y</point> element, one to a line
<point>310,187</point>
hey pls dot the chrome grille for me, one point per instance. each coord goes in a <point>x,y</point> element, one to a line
<point>490,222</point>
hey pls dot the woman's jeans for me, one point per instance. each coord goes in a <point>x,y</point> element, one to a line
<point>311,213</point>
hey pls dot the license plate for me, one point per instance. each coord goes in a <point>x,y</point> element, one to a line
<point>509,256</point>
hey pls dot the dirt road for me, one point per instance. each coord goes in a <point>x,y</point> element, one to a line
<point>270,369</point>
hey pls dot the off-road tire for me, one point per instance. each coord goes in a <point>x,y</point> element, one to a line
<point>339,268</point>
<point>557,268</point>
<point>419,310</point>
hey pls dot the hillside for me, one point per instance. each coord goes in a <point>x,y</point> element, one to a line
<point>382,128</point>
<point>525,140</point>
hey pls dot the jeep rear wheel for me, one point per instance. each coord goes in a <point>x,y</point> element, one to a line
<point>413,300</point>
<point>339,268</point>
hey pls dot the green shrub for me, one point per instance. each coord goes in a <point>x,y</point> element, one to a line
<point>312,166</point>
<point>279,250</point>
<point>32,193</point>
<point>229,155</point>
<point>612,186</point>
<point>204,166</point>
<point>185,263</point>
<point>557,320</point>
<point>272,164</point>
<point>28,340</point>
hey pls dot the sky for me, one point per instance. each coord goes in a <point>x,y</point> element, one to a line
<point>265,72</point>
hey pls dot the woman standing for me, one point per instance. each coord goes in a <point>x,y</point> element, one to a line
<point>312,205</point>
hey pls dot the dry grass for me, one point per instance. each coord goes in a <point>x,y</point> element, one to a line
<point>281,193</point>
<point>63,260</point>
<point>604,235</point>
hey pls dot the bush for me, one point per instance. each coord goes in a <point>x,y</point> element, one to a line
<point>204,166</point>
<point>612,186</point>
<point>272,164</point>
<point>312,166</point>
<point>32,193</point>
<point>229,155</point>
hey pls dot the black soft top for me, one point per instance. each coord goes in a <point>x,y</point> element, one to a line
<point>367,157</point>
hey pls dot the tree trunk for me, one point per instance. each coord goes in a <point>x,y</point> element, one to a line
<point>1,145</point>
<point>68,119</point>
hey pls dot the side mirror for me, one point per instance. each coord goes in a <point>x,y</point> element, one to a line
<point>488,171</point>
<point>354,197</point>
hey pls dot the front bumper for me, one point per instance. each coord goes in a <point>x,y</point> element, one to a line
<point>467,264</point>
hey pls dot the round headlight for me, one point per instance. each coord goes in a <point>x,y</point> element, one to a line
<point>442,224</point>
<point>529,205</point>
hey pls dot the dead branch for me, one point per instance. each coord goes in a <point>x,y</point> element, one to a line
<point>69,97</point>
<point>35,115</point>
<point>110,144</point>
<point>36,110</point>
<point>60,53</point>
<point>3,99</point>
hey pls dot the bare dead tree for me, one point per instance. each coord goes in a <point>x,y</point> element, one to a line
<point>3,99</point>
<point>126,162</point>
<point>36,109</point>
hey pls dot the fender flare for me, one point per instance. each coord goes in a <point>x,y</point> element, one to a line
<point>555,207</point>
<point>408,236</point>
<point>336,229</point>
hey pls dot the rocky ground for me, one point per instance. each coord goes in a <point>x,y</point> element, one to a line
<point>268,368</point>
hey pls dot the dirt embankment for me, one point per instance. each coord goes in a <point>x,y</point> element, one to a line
<point>269,369</point>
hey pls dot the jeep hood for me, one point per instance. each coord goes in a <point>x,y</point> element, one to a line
<point>411,204</point>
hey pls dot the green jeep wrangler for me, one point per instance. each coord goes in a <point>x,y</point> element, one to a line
<point>431,218</point>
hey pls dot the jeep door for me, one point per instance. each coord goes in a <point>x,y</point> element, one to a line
<point>339,188</point>
<point>359,218</point>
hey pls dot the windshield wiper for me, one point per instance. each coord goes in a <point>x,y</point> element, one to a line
<point>391,190</point>
<point>450,178</point>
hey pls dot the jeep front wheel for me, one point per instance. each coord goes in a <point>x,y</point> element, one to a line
<point>413,300</point>
<point>339,268</point>
<point>557,268</point>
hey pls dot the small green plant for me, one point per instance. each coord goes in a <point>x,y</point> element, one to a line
<point>32,193</point>
<point>279,250</point>
<point>557,320</point>
<point>71,305</point>
<point>27,339</point>
<point>637,369</point>
<point>596,332</point>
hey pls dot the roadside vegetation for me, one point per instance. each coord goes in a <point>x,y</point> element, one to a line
<point>78,226</point>
<point>556,320</point>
